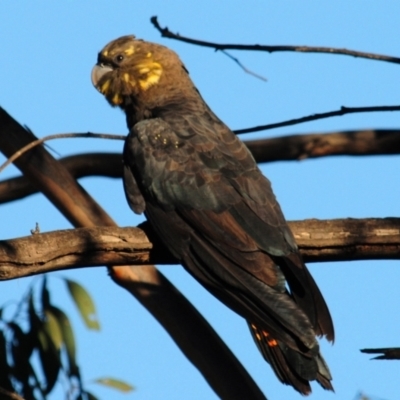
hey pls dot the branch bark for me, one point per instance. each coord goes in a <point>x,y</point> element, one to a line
<point>318,240</point>
<point>354,143</point>
<point>191,332</point>
<point>284,148</point>
<point>165,32</point>
<point>79,166</point>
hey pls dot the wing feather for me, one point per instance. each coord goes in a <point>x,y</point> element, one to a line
<point>237,231</point>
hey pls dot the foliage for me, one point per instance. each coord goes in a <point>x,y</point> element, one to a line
<point>37,345</point>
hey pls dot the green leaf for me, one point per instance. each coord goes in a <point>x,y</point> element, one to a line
<point>84,303</point>
<point>68,338</point>
<point>50,359</point>
<point>3,352</point>
<point>52,328</point>
<point>20,351</point>
<point>35,323</point>
<point>34,320</point>
<point>115,384</point>
<point>45,294</point>
<point>5,369</point>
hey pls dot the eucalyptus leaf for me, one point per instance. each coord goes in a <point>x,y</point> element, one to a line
<point>45,294</point>
<point>53,329</point>
<point>20,351</point>
<point>68,338</point>
<point>49,358</point>
<point>115,384</point>
<point>5,369</point>
<point>84,303</point>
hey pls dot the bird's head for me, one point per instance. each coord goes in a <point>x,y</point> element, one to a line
<point>128,68</point>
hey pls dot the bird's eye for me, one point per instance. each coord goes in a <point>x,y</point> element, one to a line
<point>119,58</point>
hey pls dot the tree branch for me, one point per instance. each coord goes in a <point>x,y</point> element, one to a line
<point>37,142</point>
<point>5,394</point>
<point>349,143</point>
<point>79,166</point>
<point>293,147</point>
<point>318,240</point>
<point>191,332</point>
<point>348,239</point>
<point>342,111</point>
<point>165,32</point>
<point>389,353</point>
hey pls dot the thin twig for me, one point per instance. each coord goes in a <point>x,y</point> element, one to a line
<point>35,143</point>
<point>165,32</point>
<point>342,111</point>
<point>243,67</point>
<point>389,353</point>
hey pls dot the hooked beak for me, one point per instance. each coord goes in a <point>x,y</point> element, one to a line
<point>98,72</point>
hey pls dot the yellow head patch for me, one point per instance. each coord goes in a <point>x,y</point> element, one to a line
<point>105,86</point>
<point>149,73</point>
<point>129,51</point>
<point>116,99</point>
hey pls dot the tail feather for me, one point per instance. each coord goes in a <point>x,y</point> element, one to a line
<point>323,374</point>
<point>291,367</point>
<point>307,295</point>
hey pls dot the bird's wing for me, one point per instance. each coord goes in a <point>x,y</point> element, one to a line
<point>132,192</point>
<point>215,210</point>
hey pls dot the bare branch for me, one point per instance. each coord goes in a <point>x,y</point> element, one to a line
<point>348,239</point>
<point>298,147</point>
<point>190,331</point>
<point>293,147</point>
<point>165,32</point>
<point>389,353</point>
<point>81,165</point>
<point>37,142</point>
<point>65,249</point>
<point>305,146</point>
<point>342,111</point>
<point>245,69</point>
<point>318,240</point>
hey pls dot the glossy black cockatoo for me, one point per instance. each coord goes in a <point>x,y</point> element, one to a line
<point>209,203</point>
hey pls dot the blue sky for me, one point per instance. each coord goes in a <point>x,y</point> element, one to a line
<point>48,50</point>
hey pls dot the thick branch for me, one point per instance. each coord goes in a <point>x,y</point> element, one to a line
<point>79,166</point>
<point>348,239</point>
<point>165,32</point>
<point>329,240</point>
<point>298,147</point>
<point>191,332</point>
<point>293,147</point>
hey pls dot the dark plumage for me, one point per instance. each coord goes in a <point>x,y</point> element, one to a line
<point>205,197</point>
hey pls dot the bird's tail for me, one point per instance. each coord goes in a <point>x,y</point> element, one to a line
<point>290,366</point>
